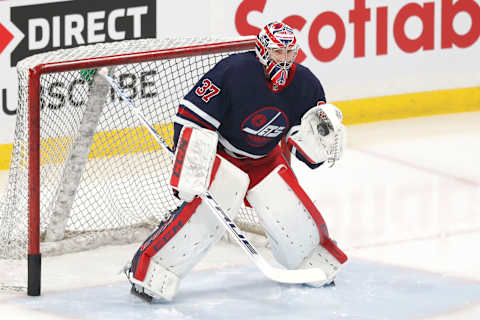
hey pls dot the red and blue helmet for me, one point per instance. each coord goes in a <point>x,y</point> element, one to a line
<point>275,35</point>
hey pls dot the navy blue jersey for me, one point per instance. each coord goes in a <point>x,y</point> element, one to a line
<point>235,99</point>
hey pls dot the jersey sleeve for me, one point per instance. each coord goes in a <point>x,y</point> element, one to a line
<point>318,95</point>
<point>205,105</point>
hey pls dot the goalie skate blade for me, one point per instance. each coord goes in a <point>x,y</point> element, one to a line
<point>142,295</point>
<point>330,284</point>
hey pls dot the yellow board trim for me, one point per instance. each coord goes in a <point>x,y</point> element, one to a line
<point>410,105</point>
<point>5,153</point>
<point>354,111</point>
<point>119,142</point>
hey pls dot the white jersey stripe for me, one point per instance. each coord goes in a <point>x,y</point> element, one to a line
<point>205,116</point>
<point>228,146</point>
<point>185,123</point>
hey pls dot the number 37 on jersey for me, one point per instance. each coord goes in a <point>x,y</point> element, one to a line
<point>207,90</point>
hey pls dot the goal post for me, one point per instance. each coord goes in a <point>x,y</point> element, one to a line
<point>84,172</point>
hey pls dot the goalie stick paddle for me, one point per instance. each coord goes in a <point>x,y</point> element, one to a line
<point>273,273</point>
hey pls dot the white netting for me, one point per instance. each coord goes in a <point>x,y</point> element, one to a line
<point>103,178</point>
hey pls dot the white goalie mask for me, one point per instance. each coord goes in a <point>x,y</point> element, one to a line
<point>276,48</point>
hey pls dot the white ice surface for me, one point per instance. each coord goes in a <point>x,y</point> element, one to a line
<point>403,203</point>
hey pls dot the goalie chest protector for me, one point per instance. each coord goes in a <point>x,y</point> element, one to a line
<point>236,99</point>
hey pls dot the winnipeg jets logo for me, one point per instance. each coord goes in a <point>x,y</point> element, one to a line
<point>268,130</point>
<point>264,126</point>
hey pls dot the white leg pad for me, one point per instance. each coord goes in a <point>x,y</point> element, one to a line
<point>203,229</point>
<point>159,283</point>
<point>290,229</point>
<point>321,258</point>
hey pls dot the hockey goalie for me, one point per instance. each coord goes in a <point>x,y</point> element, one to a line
<point>226,137</point>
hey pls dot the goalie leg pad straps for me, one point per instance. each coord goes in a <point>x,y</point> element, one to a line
<point>177,250</point>
<point>293,224</point>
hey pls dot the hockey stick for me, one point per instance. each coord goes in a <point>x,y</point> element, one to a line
<point>273,273</point>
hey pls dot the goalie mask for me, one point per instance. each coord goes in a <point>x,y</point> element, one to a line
<point>276,49</point>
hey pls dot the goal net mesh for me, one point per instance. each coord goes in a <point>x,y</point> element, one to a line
<point>103,178</point>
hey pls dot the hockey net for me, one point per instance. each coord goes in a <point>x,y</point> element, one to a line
<point>84,172</point>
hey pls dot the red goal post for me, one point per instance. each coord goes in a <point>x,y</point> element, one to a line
<point>67,144</point>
